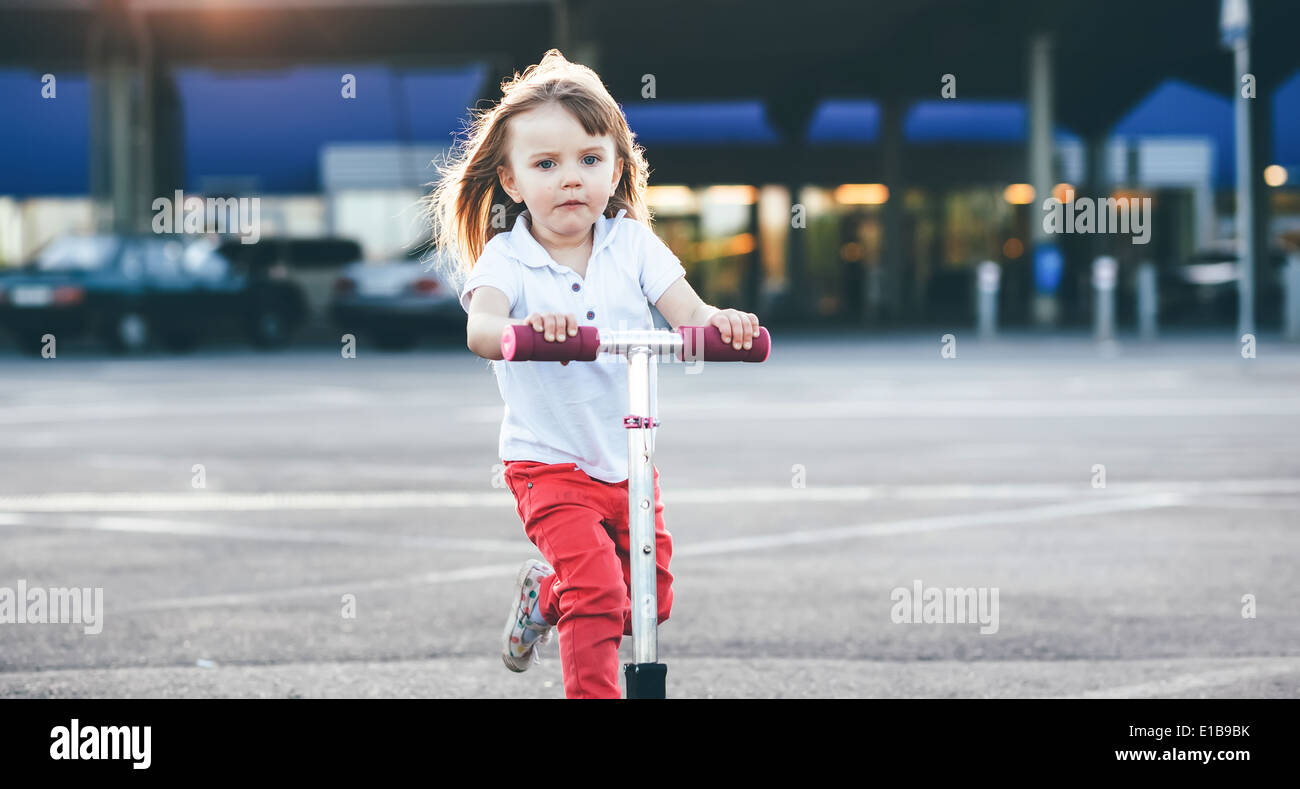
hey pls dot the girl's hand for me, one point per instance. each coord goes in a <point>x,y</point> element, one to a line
<point>738,328</point>
<point>556,326</point>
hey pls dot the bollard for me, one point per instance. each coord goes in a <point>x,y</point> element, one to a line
<point>1103,284</point>
<point>1148,300</point>
<point>1292,326</point>
<point>988,275</point>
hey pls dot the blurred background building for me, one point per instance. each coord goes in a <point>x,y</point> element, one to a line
<point>914,140</point>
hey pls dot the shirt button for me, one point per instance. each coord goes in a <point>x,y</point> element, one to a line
<point>530,484</point>
<point>590,314</point>
<point>576,287</point>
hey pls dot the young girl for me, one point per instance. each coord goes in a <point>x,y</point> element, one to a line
<point>542,207</point>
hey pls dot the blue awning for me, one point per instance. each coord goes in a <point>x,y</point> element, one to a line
<point>702,123</point>
<point>269,126</point>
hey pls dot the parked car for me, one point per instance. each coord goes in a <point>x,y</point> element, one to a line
<point>395,302</point>
<point>129,290</point>
<point>1203,289</point>
<point>312,264</point>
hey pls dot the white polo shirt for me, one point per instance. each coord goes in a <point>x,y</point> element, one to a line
<point>574,413</point>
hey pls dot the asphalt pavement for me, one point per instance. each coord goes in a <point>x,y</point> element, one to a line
<point>1121,518</point>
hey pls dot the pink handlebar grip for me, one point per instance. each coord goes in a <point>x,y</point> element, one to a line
<point>522,343</point>
<point>715,350</point>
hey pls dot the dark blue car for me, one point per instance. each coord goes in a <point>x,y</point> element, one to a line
<point>130,291</point>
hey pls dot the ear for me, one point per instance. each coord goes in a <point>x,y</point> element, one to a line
<point>618,175</point>
<point>507,179</point>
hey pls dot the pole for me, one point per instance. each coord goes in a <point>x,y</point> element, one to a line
<point>1104,276</point>
<point>1045,254</point>
<point>988,275</point>
<point>1291,323</point>
<point>1245,201</point>
<point>645,676</point>
<point>1234,25</point>
<point>1148,301</point>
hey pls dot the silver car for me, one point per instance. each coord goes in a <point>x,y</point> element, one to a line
<point>395,303</point>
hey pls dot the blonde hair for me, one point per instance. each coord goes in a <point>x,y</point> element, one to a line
<point>460,208</point>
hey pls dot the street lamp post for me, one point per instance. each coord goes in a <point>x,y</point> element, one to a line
<point>1234,23</point>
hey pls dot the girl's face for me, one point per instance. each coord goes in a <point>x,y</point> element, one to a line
<point>564,175</point>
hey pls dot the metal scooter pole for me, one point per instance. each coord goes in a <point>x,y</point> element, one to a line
<point>646,677</point>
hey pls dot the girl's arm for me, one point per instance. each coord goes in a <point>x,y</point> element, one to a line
<point>682,306</point>
<point>489,315</point>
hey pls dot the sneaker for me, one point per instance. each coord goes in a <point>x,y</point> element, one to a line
<point>517,654</point>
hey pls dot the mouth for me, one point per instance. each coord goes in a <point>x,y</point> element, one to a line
<point>571,204</point>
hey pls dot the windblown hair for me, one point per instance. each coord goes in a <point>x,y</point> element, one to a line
<point>468,195</point>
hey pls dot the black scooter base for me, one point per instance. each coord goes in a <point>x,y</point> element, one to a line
<point>645,680</point>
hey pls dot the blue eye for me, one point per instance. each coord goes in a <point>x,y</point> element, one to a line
<point>585,158</point>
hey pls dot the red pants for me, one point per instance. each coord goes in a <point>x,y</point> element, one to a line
<point>580,524</point>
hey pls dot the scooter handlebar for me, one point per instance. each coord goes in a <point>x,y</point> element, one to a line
<point>714,349</point>
<point>523,343</point>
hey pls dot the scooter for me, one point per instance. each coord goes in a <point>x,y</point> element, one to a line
<point>645,679</point>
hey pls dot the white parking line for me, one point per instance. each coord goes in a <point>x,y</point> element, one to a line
<point>922,408</point>
<point>794,410</point>
<point>776,493</point>
<point>266,533</point>
<point>215,501</point>
<point>329,590</point>
<point>381,540</point>
<point>910,525</point>
<point>1242,503</point>
<point>130,407</point>
<point>339,470</point>
<point>27,415</point>
<point>1269,667</point>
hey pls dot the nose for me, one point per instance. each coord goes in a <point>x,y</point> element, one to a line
<point>572,176</point>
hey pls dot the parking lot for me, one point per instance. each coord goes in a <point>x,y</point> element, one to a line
<point>227,501</point>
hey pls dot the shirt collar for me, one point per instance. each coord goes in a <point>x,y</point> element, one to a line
<point>531,252</point>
